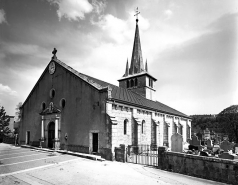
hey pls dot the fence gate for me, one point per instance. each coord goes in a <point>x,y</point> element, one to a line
<point>142,154</point>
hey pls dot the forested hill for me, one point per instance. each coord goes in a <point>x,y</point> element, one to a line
<point>201,122</point>
<point>225,122</point>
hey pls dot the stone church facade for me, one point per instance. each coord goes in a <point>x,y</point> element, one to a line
<point>70,110</point>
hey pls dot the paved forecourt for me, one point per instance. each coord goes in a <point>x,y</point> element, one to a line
<point>14,160</point>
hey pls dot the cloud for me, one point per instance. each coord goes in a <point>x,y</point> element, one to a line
<point>19,49</point>
<point>207,64</point>
<point>217,43</point>
<point>98,6</point>
<point>73,9</point>
<point>120,30</point>
<point>7,90</point>
<point>2,16</point>
<point>168,13</point>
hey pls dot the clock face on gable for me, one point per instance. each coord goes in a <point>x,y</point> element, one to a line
<point>52,68</point>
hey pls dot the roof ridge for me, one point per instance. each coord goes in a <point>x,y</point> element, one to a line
<point>80,75</point>
<point>120,92</point>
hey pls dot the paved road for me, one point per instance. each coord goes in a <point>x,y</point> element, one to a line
<point>25,166</point>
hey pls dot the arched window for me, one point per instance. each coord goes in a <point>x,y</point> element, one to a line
<point>132,83</point>
<point>188,132</point>
<point>125,126</point>
<point>143,127</point>
<point>150,82</point>
<point>127,83</point>
<point>43,106</point>
<point>52,93</point>
<point>180,129</point>
<point>136,82</point>
<point>62,103</point>
<point>166,134</point>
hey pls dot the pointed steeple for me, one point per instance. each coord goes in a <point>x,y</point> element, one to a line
<point>137,65</point>
<point>127,69</point>
<point>146,67</point>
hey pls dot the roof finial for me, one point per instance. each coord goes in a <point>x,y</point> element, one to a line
<point>137,12</point>
<point>54,53</point>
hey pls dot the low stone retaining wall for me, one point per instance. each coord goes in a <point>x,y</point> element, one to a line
<point>9,140</point>
<point>216,169</point>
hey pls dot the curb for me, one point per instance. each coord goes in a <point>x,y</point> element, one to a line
<point>87,156</point>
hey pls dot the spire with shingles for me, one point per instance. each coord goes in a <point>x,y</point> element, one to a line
<point>146,67</point>
<point>127,69</point>
<point>136,59</point>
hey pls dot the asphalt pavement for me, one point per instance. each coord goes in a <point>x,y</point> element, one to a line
<point>26,166</point>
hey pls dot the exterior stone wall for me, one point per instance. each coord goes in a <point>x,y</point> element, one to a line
<point>118,136</point>
<point>215,169</point>
<point>145,137</point>
<point>166,132</point>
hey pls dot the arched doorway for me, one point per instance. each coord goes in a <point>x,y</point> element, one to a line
<point>51,134</point>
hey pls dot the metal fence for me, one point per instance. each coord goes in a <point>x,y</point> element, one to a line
<point>142,154</point>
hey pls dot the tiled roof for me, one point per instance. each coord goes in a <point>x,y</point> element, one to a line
<point>124,95</point>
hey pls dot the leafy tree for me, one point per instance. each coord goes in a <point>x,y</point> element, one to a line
<point>4,123</point>
<point>228,119</point>
<point>18,111</point>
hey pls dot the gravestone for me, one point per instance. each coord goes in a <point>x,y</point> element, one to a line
<point>216,148</point>
<point>199,135</point>
<point>177,143</point>
<point>207,134</point>
<point>209,144</point>
<point>226,155</point>
<point>204,153</point>
<point>185,146</point>
<point>196,142</point>
<point>235,148</point>
<point>189,141</point>
<point>225,145</point>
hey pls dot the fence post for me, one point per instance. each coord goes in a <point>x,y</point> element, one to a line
<point>161,156</point>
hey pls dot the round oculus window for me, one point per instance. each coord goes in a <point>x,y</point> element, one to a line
<point>52,68</point>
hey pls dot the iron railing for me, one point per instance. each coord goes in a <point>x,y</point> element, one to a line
<point>142,154</point>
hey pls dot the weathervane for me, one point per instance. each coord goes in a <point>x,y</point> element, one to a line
<point>137,13</point>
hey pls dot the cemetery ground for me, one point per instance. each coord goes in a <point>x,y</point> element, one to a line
<point>26,166</point>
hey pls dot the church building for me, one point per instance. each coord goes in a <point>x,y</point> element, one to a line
<point>70,110</point>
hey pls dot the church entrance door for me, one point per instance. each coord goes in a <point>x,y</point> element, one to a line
<point>51,134</point>
<point>27,137</point>
<point>95,142</point>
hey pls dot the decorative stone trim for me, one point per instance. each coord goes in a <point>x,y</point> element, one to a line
<point>138,120</point>
<point>157,123</point>
<point>167,123</point>
<point>113,119</point>
<point>176,123</point>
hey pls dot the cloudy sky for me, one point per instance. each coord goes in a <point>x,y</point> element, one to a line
<point>190,46</point>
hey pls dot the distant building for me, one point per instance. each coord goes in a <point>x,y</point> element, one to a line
<point>70,110</point>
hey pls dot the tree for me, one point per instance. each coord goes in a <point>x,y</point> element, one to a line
<point>18,112</point>
<point>228,119</point>
<point>4,122</point>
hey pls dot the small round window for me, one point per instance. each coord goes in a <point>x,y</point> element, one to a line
<point>43,106</point>
<point>52,93</point>
<point>62,103</point>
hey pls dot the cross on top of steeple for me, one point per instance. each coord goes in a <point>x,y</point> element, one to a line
<point>54,53</point>
<point>137,13</point>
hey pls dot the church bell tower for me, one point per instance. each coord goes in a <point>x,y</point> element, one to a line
<point>137,77</point>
